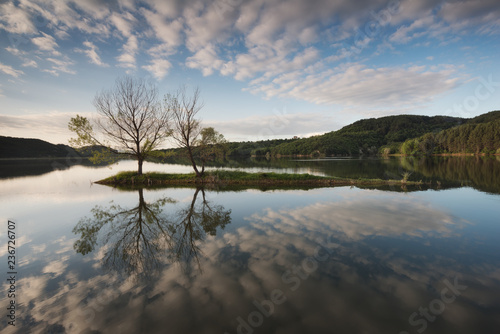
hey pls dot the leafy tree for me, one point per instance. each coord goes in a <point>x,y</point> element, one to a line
<point>211,145</point>
<point>130,118</point>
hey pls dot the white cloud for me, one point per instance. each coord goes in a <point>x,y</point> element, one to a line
<point>55,121</point>
<point>15,51</point>
<point>471,13</point>
<point>60,65</point>
<point>10,71</point>
<point>267,62</point>
<point>290,49</point>
<point>51,126</point>
<point>46,43</point>
<point>124,22</point>
<point>409,11</point>
<point>279,124</point>
<point>127,4</point>
<point>91,52</point>
<point>158,68</point>
<point>63,15</point>
<point>129,51</point>
<point>206,26</point>
<point>167,31</point>
<point>206,60</point>
<point>15,20</point>
<point>358,84</point>
<point>98,10</point>
<point>402,34</point>
<point>30,63</point>
<point>168,9</point>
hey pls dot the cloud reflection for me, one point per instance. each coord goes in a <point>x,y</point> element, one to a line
<point>358,218</point>
<point>388,255</point>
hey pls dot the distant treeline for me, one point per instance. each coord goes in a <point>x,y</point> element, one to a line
<point>479,136</point>
<point>234,149</point>
<point>403,134</point>
<point>365,137</point>
<point>11,147</point>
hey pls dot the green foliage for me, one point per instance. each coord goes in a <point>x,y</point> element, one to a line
<point>410,147</point>
<point>406,175</point>
<point>386,135</point>
<point>158,155</point>
<point>127,176</point>
<point>257,148</point>
<point>105,155</point>
<point>84,132</point>
<point>244,176</point>
<point>211,137</point>
<point>472,137</point>
<point>212,144</point>
<point>222,175</point>
<point>366,137</point>
<point>485,118</point>
<point>86,143</point>
<point>392,148</point>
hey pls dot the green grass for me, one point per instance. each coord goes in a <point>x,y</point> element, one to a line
<point>128,175</point>
<point>239,175</point>
<point>220,176</point>
<point>225,177</point>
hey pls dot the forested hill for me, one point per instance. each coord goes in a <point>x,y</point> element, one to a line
<point>480,134</point>
<point>11,147</point>
<point>368,136</point>
<point>408,134</point>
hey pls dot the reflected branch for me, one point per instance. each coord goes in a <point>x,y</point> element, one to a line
<point>193,223</point>
<point>137,241</point>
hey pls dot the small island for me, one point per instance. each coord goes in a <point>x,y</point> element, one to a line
<point>239,178</point>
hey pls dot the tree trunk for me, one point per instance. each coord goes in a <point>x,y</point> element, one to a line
<point>190,153</point>
<point>139,166</point>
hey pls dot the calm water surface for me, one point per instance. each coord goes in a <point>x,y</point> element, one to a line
<point>93,259</point>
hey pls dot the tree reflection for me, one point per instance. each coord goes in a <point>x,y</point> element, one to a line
<point>138,241</point>
<point>192,223</point>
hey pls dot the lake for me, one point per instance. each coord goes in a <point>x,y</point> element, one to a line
<point>94,259</point>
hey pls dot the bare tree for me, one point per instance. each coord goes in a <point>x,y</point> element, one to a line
<point>186,128</point>
<point>130,118</point>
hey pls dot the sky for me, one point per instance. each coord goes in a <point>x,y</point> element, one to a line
<point>265,68</point>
